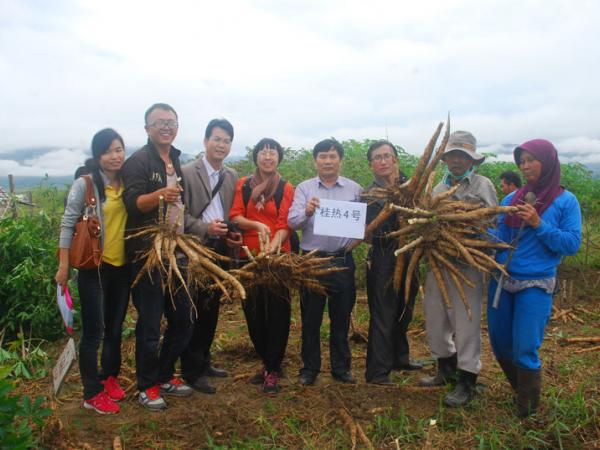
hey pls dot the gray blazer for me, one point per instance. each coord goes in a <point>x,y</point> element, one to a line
<point>196,195</point>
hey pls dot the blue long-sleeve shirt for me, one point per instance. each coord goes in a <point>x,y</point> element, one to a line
<point>540,249</point>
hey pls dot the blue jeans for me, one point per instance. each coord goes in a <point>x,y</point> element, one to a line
<point>516,328</point>
<point>104,296</point>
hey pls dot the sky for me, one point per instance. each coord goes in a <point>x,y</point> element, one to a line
<point>296,71</point>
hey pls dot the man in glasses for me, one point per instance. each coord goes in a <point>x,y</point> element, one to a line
<point>390,315</point>
<point>209,187</point>
<point>150,173</point>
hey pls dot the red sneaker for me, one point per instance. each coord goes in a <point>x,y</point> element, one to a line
<point>113,389</point>
<point>270,384</point>
<point>102,404</point>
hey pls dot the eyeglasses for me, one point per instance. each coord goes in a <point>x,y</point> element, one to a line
<point>218,140</point>
<point>162,123</point>
<point>384,157</point>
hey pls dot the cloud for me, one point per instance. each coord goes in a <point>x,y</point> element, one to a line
<point>300,71</point>
<point>56,162</point>
<point>572,150</point>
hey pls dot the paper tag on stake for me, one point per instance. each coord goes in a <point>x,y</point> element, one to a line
<point>60,370</point>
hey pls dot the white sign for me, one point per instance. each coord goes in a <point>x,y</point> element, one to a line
<point>340,219</point>
<point>63,364</point>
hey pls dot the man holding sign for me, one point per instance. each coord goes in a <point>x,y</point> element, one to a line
<point>315,202</point>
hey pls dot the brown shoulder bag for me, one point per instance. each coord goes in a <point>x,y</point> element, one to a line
<point>85,247</point>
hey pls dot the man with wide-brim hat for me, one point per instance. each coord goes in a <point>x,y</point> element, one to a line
<point>454,339</point>
<point>461,156</point>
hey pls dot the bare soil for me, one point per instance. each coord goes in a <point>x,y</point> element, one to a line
<point>241,416</point>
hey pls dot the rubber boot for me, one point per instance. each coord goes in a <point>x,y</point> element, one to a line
<point>464,391</point>
<point>529,387</point>
<point>510,370</point>
<point>446,372</point>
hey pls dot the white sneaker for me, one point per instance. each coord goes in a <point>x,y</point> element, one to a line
<point>176,387</point>
<point>151,399</point>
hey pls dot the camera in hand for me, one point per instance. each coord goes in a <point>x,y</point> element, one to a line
<point>232,226</point>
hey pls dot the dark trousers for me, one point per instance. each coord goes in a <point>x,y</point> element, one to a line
<point>152,366</point>
<point>196,358</point>
<point>104,296</point>
<point>341,293</point>
<point>389,318</point>
<point>268,317</point>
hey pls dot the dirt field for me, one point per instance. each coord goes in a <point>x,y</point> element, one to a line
<point>241,416</point>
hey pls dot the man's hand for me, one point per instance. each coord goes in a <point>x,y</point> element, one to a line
<point>529,215</point>
<point>234,239</point>
<point>170,194</point>
<point>217,228</point>
<point>312,205</point>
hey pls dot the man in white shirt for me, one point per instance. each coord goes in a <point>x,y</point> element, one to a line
<point>209,187</point>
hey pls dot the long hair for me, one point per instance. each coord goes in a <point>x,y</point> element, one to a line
<point>100,145</point>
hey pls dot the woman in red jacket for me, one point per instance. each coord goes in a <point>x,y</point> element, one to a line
<point>260,208</point>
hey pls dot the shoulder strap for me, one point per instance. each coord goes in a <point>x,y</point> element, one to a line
<point>213,193</point>
<point>246,191</point>
<point>278,196</point>
<point>217,186</point>
<point>90,199</point>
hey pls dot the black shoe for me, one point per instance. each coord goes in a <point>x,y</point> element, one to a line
<point>413,365</point>
<point>202,384</point>
<point>345,377</point>
<point>212,371</point>
<point>259,377</point>
<point>306,379</point>
<point>382,381</point>
<point>464,391</point>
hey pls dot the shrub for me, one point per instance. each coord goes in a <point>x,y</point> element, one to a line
<point>27,267</point>
<point>18,416</point>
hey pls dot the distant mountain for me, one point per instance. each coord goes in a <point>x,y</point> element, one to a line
<point>27,183</point>
<point>24,183</point>
<point>595,168</point>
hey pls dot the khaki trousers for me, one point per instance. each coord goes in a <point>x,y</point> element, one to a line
<point>449,330</point>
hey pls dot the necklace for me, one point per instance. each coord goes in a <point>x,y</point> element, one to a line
<point>169,167</point>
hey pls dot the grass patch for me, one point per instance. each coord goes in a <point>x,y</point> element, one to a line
<point>397,425</point>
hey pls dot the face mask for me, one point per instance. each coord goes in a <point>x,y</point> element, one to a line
<point>449,177</point>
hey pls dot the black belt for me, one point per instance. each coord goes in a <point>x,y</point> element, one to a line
<point>337,254</point>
